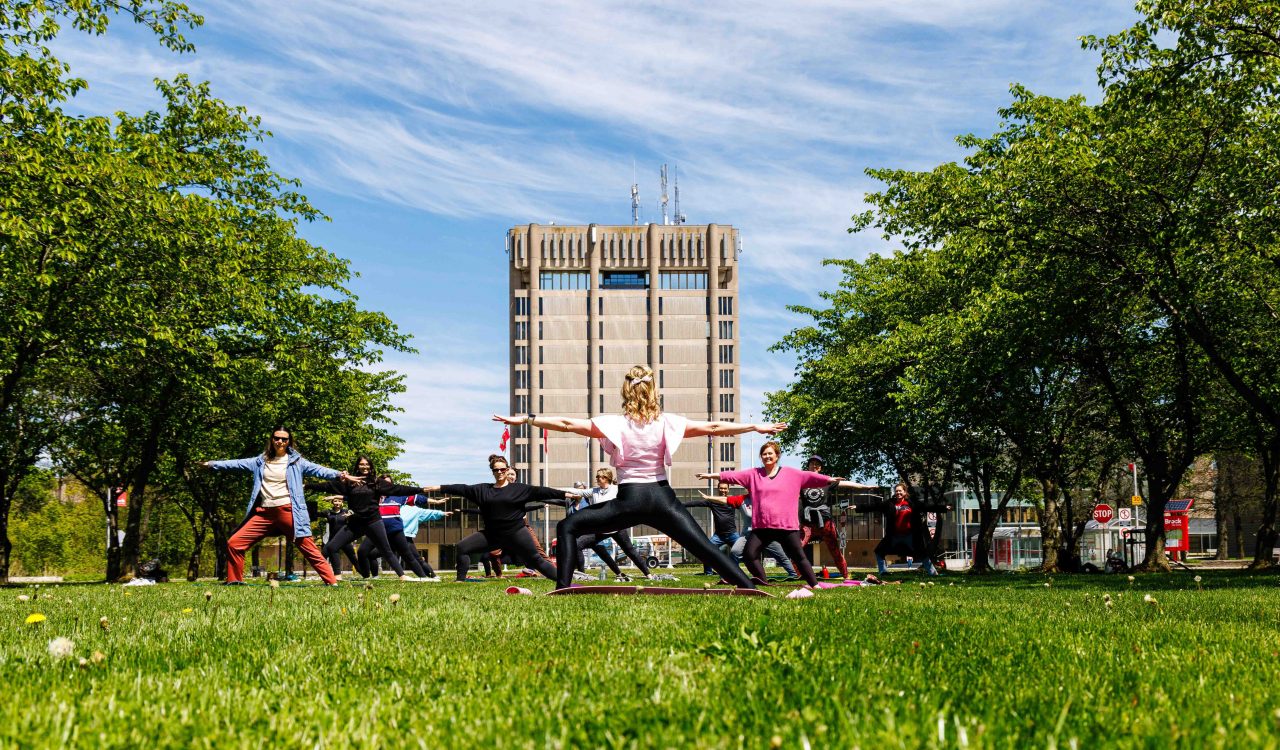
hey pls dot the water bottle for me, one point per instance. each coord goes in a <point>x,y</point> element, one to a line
<point>602,572</point>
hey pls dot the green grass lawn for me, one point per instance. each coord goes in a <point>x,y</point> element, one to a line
<point>1004,662</point>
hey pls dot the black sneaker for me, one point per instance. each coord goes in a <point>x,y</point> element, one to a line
<point>233,583</point>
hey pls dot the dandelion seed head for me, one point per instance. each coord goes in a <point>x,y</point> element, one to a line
<point>60,648</point>
<point>23,598</point>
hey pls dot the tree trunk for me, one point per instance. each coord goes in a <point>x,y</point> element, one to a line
<point>6,546</point>
<point>1266,540</point>
<point>142,475</point>
<point>1050,527</point>
<point>193,563</point>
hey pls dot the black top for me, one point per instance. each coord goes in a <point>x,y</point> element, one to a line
<point>724,518</point>
<point>503,508</point>
<point>363,498</point>
<point>815,505</point>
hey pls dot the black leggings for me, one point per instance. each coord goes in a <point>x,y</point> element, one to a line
<point>652,503</point>
<point>401,545</point>
<point>519,544</point>
<point>790,541</point>
<point>375,530</point>
<point>620,538</point>
<point>335,560</point>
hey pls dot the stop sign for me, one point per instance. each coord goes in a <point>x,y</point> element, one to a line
<point>1103,513</point>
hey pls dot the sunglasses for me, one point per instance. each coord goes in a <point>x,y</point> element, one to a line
<point>278,439</point>
<point>498,469</point>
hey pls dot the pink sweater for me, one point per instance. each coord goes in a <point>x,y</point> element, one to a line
<point>775,503</point>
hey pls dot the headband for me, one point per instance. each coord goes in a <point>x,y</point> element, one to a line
<point>638,381</point>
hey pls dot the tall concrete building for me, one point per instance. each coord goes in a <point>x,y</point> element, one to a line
<point>588,302</point>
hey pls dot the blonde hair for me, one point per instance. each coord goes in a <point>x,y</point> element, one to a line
<point>640,395</point>
<point>605,472</point>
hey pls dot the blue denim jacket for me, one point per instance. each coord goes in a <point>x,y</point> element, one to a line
<point>297,468</point>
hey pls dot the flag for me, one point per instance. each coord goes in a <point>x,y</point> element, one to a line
<point>506,435</point>
<point>545,450</point>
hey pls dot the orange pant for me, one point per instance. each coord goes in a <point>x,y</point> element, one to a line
<point>267,522</point>
<point>827,535</point>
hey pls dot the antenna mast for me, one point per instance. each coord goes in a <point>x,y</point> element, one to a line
<point>662,201</point>
<point>678,217</point>
<point>635,196</point>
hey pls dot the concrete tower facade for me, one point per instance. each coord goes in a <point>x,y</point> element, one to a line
<point>588,302</point>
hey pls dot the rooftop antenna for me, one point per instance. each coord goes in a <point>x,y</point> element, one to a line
<point>635,196</point>
<point>678,218</point>
<point>662,200</point>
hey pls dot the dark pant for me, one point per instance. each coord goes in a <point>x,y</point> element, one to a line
<point>620,538</point>
<point>790,541</point>
<point>335,560</point>
<point>375,530</point>
<point>652,503</point>
<point>519,543</point>
<point>401,546</point>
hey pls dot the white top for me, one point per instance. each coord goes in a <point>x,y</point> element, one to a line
<point>275,490</point>
<point>640,452</point>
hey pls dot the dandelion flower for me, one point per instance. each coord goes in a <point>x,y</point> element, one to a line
<point>98,657</point>
<point>187,610</point>
<point>34,618</point>
<point>84,662</point>
<point>1197,579</point>
<point>60,648</point>
<point>1132,579</point>
<point>208,595</point>
<point>395,598</point>
<point>1046,585</point>
<point>25,598</point>
<point>1149,599</point>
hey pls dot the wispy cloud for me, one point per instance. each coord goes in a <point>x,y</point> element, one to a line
<point>493,114</point>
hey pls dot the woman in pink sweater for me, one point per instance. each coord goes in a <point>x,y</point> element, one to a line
<point>775,516</point>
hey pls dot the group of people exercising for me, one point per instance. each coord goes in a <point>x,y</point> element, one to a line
<point>789,507</point>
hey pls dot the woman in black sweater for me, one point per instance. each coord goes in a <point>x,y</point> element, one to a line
<point>362,494</point>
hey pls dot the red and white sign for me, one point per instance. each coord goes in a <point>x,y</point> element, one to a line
<point>122,497</point>
<point>1103,513</point>
<point>1125,514</point>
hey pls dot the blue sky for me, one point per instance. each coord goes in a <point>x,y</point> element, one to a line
<point>426,129</point>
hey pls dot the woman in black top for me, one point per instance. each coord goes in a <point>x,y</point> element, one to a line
<point>502,508</point>
<point>362,494</point>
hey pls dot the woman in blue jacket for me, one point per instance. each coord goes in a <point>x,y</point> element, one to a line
<point>277,505</point>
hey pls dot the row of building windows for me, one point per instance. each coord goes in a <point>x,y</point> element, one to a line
<point>520,330</point>
<point>579,280</point>
<point>520,305</point>
<point>521,380</point>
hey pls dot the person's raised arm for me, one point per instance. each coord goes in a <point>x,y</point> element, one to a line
<point>845,484</point>
<point>234,464</point>
<point>721,429</point>
<point>582,427</point>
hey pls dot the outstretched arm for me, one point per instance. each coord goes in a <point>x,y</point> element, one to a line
<point>235,464</point>
<point>847,485</point>
<point>698,429</point>
<point>582,427</point>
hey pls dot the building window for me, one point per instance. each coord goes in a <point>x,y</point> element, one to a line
<point>726,354</point>
<point>520,453</point>
<point>522,404</point>
<point>600,305</point>
<point>726,378</point>
<point>662,380</point>
<point>659,306</point>
<point>522,355</point>
<point>540,330</point>
<point>540,355</point>
<point>521,431</point>
<point>726,403</point>
<point>539,305</point>
<point>521,378</point>
<point>521,305</point>
<point>726,305</point>
<point>682,280</point>
<point>727,451</point>
<point>540,378</point>
<point>521,330</point>
<point>660,356</point>
<point>541,407</point>
<point>624,280</point>
<point>660,329</point>
<point>726,329</point>
<point>563,280</point>
<point>602,378</point>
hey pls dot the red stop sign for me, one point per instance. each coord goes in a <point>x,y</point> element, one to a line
<point>1103,513</point>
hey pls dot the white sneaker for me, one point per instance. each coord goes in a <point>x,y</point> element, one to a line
<point>432,579</point>
<point>578,575</point>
